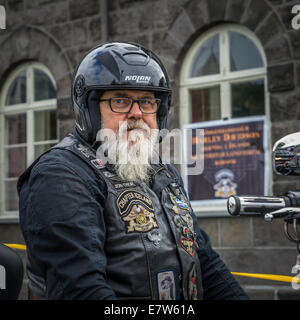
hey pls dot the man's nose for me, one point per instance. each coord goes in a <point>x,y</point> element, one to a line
<point>135,111</point>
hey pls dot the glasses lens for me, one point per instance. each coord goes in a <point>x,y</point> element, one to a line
<point>149,105</point>
<point>120,104</point>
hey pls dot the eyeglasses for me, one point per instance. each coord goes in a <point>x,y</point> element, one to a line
<point>124,105</point>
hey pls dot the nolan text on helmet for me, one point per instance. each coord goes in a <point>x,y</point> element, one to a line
<point>138,79</point>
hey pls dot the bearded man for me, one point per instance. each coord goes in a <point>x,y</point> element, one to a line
<point>101,217</point>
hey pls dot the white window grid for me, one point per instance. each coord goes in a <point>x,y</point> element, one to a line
<point>29,108</point>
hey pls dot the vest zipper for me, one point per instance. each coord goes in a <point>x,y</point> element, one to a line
<point>148,266</point>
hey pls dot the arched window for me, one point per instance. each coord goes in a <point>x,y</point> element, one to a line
<point>28,126</point>
<point>223,76</point>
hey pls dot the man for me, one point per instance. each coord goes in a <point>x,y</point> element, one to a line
<point>101,220</point>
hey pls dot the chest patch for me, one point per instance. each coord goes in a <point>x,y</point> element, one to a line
<point>137,211</point>
<point>179,203</point>
<point>188,245</point>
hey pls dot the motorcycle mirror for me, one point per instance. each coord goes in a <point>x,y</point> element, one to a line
<point>286,155</point>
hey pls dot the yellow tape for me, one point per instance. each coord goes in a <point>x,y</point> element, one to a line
<point>274,277</point>
<point>15,246</point>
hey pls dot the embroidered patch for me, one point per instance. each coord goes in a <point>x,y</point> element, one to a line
<point>178,221</point>
<point>166,285</point>
<point>87,152</point>
<point>180,203</point>
<point>188,220</point>
<point>122,185</point>
<point>188,245</point>
<point>98,163</point>
<point>137,211</point>
<point>187,232</point>
<point>183,227</point>
<point>192,286</point>
<point>112,176</point>
<point>109,174</point>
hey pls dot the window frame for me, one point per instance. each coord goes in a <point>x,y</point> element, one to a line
<point>224,79</point>
<point>29,107</point>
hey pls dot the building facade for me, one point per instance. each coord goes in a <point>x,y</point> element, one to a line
<point>226,59</point>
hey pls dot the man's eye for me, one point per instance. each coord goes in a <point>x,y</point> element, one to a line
<point>119,101</point>
<point>145,101</point>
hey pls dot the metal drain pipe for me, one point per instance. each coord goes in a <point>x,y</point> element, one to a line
<point>104,20</point>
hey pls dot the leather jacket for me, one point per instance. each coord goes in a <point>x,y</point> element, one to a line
<point>92,236</point>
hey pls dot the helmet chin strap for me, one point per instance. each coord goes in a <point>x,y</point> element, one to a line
<point>94,113</point>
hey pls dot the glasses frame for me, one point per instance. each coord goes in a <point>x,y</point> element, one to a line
<point>158,102</point>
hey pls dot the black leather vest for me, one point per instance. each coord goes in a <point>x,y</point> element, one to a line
<point>150,240</point>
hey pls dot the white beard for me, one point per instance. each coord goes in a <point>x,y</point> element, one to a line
<point>132,156</point>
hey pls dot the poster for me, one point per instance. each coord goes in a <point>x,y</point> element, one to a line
<point>235,155</point>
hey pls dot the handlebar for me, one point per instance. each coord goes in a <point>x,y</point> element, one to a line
<point>253,205</point>
<point>286,207</point>
<point>286,213</point>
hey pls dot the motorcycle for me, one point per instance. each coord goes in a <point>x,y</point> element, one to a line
<point>285,162</point>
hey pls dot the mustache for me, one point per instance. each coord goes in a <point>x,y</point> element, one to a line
<point>134,124</point>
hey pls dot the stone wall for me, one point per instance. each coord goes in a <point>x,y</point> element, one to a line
<point>57,33</point>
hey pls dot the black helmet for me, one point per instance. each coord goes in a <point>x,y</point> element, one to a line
<point>112,66</point>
